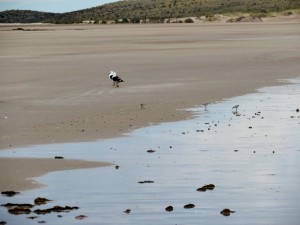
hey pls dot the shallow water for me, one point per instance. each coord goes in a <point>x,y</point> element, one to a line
<point>253,159</point>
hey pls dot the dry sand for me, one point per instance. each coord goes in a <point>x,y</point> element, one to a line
<point>54,79</point>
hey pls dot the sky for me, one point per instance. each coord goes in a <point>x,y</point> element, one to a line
<point>51,5</point>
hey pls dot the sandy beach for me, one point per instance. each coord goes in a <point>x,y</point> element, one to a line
<point>55,88</point>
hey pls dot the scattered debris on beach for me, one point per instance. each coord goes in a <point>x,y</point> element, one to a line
<point>26,208</point>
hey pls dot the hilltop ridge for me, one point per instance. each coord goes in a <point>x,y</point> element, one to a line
<point>155,11</point>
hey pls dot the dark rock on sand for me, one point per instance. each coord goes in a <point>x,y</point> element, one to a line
<point>189,206</point>
<point>19,210</point>
<point>58,157</point>
<point>201,189</point>
<point>151,151</point>
<point>169,208</point>
<point>210,186</point>
<point>57,209</point>
<point>226,212</point>
<point>41,201</point>
<point>42,211</point>
<point>12,205</point>
<point>146,181</point>
<point>32,217</point>
<point>80,217</point>
<point>127,211</point>
<point>9,193</point>
<point>2,223</point>
<point>206,187</point>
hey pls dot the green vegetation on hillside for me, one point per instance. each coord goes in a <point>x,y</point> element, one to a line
<point>151,10</point>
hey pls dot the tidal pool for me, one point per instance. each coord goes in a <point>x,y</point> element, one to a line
<point>252,156</point>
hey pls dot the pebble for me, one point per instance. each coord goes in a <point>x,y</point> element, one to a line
<point>226,212</point>
<point>189,206</point>
<point>127,211</point>
<point>169,208</point>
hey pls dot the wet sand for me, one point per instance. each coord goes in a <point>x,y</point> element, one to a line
<point>250,156</point>
<point>55,88</point>
<point>15,171</point>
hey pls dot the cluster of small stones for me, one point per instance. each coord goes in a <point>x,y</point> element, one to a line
<point>24,208</point>
<point>170,208</point>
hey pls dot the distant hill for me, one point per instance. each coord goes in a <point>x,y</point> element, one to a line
<point>27,16</point>
<point>150,10</point>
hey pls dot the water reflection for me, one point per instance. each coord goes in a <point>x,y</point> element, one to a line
<point>250,153</point>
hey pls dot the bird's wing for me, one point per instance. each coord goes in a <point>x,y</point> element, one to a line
<point>116,78</point>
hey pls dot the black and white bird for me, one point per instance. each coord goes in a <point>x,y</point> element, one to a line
<point>235,107</point>
<point>116,80</point>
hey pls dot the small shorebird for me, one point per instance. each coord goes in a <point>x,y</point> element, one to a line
<point>116,79</point>
<point>235,107</point>
<point>205,106</point>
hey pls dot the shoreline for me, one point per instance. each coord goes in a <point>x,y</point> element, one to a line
<point>216,148</point>
<point>18,174</point>
<point>55,87</point>
<point>23,177</point>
